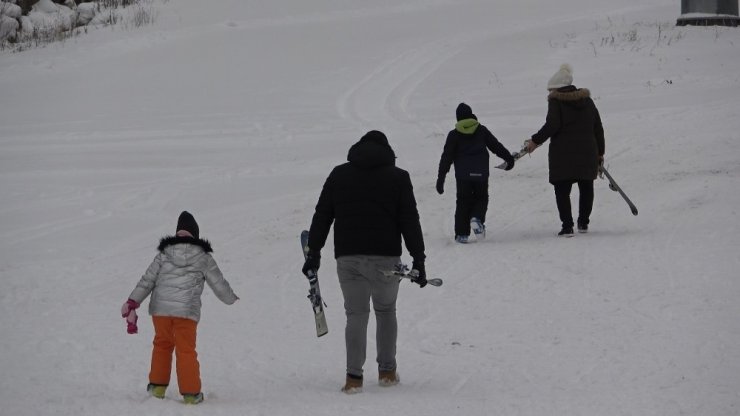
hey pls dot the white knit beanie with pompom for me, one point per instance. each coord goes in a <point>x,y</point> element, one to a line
<point>562,78</point>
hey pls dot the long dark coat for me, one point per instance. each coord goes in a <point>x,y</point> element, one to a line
<point>371,203</point>
<point>576,135</point>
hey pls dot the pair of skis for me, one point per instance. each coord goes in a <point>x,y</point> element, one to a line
<point>402,271</point>
<point>616,188</point>
<point>518,155</point>
<point>314,293</point>
<point>602,172</point>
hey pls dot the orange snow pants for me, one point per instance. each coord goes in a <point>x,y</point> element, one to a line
<point>176,334</point>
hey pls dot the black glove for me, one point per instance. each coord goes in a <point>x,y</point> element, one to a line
<point>313,261</point>
<point>418,273</point>
<point>440,185</point>
<point>510,164</point>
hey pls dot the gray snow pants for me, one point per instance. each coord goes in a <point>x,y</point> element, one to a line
<point>361,279</point>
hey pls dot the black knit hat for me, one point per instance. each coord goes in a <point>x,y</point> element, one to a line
<point>464,112</point>
<point>186,222</point>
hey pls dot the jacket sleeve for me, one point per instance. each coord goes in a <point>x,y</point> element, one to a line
<point>448,156</point>
<point>599,131</point>
<point>552,123</point>
<point>497,148</point>
<point>148,280</point>
<point>217,283</point>
<point>408,217</point>
<point>323,217</point>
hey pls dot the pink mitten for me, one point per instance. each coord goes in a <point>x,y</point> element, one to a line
<point>128,311</point>
<point>131,319</point>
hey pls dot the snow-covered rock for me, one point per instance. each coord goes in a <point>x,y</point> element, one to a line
<point>10,10</point>
<point>26,25</point>
<point>47,15</point>
<point>85,13</point>
<point>45,6</point>
<point>8,27</point>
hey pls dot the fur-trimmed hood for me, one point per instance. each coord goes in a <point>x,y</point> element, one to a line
<point>569,94</point>
<point>172,240</point>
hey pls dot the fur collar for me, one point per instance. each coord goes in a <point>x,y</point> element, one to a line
<point>172,240</point>
<point>569,95</point>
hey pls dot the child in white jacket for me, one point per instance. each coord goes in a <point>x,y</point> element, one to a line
<point>175,280</point>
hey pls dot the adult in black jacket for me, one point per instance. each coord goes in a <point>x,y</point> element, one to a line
<point>467,147</point>
<point>372,206</point>
<point>573,125</point>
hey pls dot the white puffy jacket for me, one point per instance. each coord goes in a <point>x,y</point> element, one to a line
<point>176,276</point>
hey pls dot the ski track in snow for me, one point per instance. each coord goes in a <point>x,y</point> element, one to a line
<point>384,94</point>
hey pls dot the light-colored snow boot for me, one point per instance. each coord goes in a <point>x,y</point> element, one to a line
<point>156,390</point>
<point>192,398</point>
<point>479,229</point>
<point>462,239</point>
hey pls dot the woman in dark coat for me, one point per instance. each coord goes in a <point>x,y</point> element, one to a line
<point>576,135</point>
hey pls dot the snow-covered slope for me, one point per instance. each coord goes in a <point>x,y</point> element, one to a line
<point>237,110</point>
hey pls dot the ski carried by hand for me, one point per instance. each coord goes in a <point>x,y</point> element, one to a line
<point>314,294</point>
<point>402,271</point>
<point>518,155</point>
<point>616,188</point>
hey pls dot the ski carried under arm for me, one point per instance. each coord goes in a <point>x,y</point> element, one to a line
<point>402,271</point>
<point>616,188</point>
<point>314,294</point>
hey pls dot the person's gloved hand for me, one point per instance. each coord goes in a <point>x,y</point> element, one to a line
<point>510,164</point>
<point>128,311</point>
<point>441,185</point>
<point>418,273</point>
<point>313,261</point>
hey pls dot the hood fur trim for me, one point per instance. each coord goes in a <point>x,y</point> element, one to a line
<point>574,95</point>
<point>172,240</point>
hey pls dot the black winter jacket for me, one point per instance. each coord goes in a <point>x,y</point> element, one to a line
<point>573,125</point>
<point>371,203</point>
<point>467,147</point>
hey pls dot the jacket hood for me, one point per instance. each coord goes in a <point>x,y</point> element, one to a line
<point>173,240</point>
<point>467,126</point>
<point>570,95</point>
<point>184,251</point>
<point>372,151</point>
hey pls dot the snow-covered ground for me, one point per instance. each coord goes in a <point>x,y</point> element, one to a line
<point>237,110</point>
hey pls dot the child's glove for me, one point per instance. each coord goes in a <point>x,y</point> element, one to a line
<point>128,311</point>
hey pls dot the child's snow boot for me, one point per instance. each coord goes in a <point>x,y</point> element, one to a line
<point>192,398</point>
<point>462,239</point>
<point>478,228</point>
<point>156,390</point>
